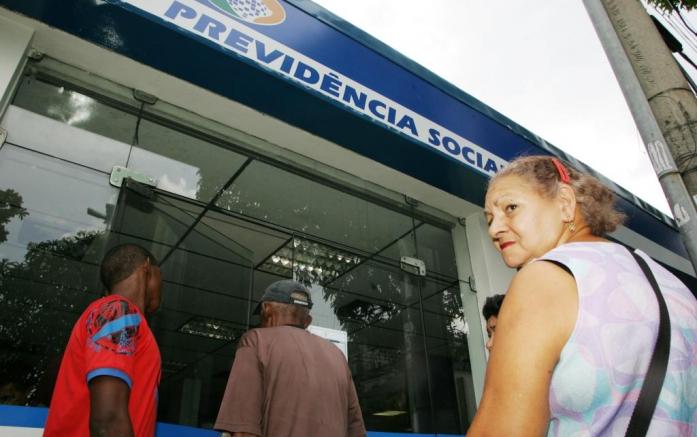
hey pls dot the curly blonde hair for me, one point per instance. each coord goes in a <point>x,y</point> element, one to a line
<point>597,202</point>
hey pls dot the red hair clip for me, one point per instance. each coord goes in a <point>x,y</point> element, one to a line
<point>563,172</point>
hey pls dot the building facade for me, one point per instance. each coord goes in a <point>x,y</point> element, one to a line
<point>244,142</point>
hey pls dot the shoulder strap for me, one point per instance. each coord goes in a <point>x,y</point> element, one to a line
<point>651,389</point>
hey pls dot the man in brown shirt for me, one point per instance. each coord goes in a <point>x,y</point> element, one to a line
<point>285,381</point>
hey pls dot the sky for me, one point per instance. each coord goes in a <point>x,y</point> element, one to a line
<point>539,63</point>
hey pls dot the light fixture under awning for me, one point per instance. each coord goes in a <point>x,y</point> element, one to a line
<point>390,413</point>
<point>212,328</point>
<point>311,261</point>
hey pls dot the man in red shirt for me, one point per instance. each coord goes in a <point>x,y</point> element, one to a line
<point>108,379</point>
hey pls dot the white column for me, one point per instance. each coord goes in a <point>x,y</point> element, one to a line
<point>15,40</point>
<point>481,266</point>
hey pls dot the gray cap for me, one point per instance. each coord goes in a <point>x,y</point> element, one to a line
<point>281,291</point>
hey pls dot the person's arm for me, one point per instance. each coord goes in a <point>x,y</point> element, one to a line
<point>536,320</point>
<point>109,407</point>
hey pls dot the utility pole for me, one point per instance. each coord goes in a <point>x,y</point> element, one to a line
<point>661,101</point>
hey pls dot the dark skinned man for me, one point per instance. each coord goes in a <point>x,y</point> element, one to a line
<point>108,379</point>
<point>285,381</point>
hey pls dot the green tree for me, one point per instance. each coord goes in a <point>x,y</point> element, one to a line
<point>673,5</point>
<point>10,206</point>
<point>40,299</point>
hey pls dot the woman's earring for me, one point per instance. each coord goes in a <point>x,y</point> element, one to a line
<point>572,227</point>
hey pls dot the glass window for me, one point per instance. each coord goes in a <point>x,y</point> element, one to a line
<point>52,223</point>
<point>75,109</point>
<point>297,203</point>
<point>406,337</point>
<point>181,163</point>
<point>450,371</point>
<point>206,296</point>
<point>436,250</point>
<point>36,132</point>
<point>51,200</point>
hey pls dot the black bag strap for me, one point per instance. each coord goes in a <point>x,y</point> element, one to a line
<point>653,382</point>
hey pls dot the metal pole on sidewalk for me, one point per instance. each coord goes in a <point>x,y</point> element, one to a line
<point>612,34</point>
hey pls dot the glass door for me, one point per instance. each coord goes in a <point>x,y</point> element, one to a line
<point>207,283</point>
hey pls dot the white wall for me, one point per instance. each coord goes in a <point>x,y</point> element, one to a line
<point>14,431</point>
<point>492,275</point>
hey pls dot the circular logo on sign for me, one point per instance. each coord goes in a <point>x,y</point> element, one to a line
<point>265,12</point>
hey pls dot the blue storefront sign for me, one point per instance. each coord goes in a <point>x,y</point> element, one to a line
<point>298,63</point>
<point>219,24</point>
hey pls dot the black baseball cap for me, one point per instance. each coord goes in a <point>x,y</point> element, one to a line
<point>281,291</point>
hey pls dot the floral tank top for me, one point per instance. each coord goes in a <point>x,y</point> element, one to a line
<point>601,369</point>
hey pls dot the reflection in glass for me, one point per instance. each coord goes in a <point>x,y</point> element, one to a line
<point>36,132</point>
<point>181,163</point>
<point>58,199</point>
<point>206,289</point>
<point>406,334</point>
<point>451,374</point>
<point>276,196</point>
<point>75,109</point>
<point>395,358</point>
<point>436,250</point>
<point>50,241</point>
<point>10,206</point>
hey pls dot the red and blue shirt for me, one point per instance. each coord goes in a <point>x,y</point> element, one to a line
<point>111,338</point>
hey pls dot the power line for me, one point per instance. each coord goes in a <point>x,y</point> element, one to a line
<point>688,37</point>
<point>688,60</point>
<point>677,11</point>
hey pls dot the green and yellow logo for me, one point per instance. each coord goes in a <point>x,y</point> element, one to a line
<point>264,12</point>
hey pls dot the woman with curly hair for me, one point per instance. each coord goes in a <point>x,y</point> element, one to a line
<point>576,332</point>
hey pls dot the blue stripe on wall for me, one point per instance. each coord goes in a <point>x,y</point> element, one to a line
<point>167,429</point>
<point>28,417</point>
<point>392,434</point>
<point>35,417</point>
